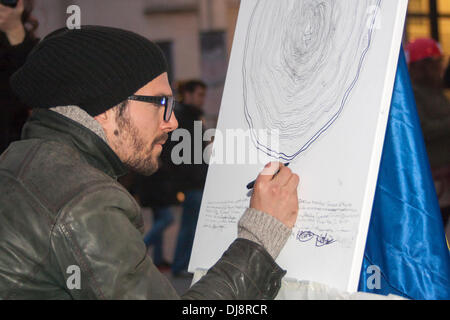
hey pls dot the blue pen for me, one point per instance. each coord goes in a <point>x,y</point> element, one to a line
<point>252,184</point>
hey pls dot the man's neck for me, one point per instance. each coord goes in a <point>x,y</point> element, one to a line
<point>82,117</point>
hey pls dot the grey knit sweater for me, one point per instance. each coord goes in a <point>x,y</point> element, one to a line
<point>254,225</point>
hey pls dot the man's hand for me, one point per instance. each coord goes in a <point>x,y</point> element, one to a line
<point>11,23</point>
<point>277,195</point>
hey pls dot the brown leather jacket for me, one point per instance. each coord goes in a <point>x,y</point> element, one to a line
<point>61,207</point>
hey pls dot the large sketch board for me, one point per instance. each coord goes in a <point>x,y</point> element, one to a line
<point>321,73</point>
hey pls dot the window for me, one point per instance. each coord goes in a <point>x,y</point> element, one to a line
<point>429,18</point>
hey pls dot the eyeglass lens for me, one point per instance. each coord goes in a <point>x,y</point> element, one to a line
<point>169,105</point>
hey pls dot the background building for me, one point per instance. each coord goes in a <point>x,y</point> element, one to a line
<point>429,18</point>
<point>196,35</point>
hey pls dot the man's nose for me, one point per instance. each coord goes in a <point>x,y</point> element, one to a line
<point>173,122</point>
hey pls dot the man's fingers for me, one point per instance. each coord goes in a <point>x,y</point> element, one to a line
<point>283,176</point>
<point>19,6</point>
<point>269,170</point>
<point>293,182</point>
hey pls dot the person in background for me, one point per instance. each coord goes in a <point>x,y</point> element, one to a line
<point>158,192</point>
<point>189,111</point>
<point>17,39</point>
<point>447,76</point>
<point>425,60</point>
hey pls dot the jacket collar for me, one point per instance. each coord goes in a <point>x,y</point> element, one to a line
<point>50,125</point>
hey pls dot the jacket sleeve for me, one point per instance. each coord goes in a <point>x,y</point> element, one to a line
<point>245,272</point>
<point>97,233</point>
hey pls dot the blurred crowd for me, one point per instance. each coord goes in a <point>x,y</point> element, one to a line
<point>430,80</point>
<point>17,39</point>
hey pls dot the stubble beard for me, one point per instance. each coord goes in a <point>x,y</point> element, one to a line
<point>140,158</point>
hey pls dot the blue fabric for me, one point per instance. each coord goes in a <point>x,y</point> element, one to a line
<point>406,237</point>
<point>191,209</point>
<point>162,218</point>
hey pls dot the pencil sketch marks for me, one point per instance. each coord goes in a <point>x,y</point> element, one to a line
<point>302,60</point>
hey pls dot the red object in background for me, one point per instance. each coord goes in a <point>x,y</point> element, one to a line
<point>423,48</point>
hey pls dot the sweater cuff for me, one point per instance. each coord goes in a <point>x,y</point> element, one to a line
<point>265,230</point>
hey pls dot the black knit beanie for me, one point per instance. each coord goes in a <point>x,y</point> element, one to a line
<point>94,68</point>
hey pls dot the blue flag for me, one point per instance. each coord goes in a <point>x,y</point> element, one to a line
<point>406,251</point>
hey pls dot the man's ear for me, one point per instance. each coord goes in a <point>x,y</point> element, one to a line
<point>103,118</point>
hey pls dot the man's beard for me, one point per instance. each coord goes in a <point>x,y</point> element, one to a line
<point>141,160</point>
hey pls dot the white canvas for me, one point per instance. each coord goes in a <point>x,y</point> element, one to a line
<point>319,74</point>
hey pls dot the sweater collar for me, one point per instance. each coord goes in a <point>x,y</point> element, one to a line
<point>49,125</point>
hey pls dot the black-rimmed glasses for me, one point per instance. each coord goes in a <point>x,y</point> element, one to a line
<point>167,101</point>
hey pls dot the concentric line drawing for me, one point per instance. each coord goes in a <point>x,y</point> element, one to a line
<point>302,60</point>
